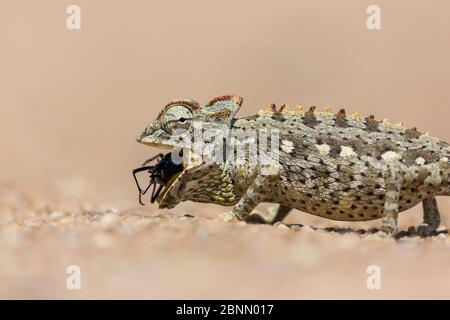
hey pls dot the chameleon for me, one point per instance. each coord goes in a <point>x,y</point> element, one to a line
<point>339,166</point>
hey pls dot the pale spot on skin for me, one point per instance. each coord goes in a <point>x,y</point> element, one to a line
<point>420,161</point>
<point>390,156</point>
<point>435,178</point>
<point>347,152</point>
<point>287,146</point>
<point>270,168</point>
<point>391,194</point>
<point>324,149</point>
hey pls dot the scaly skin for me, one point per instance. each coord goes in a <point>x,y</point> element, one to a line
<point>337,166</point>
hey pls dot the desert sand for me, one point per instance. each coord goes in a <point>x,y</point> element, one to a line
<point>132,252</point>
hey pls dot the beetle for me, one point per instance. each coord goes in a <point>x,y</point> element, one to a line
<point>160,174</point>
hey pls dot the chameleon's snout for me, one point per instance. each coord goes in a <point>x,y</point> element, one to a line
<point>152,142</point>
<point>144,138</point>
<point>147,138</point>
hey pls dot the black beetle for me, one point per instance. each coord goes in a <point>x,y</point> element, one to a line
<point>160,174</point>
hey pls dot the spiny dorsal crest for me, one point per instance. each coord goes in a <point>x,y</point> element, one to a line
<point>229,97</point>
<point>341,115</point>
<point>311,110</point>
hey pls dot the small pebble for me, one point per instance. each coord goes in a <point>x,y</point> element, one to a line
<point>56,214</point>
<point>282,226</point>
<point>108,220</point>
<point>307,229</point>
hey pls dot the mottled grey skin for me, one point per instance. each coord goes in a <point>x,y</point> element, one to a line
<point>337,166</point>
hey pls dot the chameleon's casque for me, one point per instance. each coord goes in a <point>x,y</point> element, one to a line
<point>333,165</point>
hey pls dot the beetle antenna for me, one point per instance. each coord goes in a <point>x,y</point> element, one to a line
<point>160,156</point>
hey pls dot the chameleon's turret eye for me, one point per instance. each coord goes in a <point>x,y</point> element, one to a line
<point>176,117</point>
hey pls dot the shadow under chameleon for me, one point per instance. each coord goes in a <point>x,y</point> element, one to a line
<point>410,233</point>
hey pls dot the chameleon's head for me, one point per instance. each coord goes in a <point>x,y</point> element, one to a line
<point>174,125</point>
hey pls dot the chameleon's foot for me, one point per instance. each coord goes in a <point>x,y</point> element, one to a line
<point>274,214</point>
<point>425,230</point>
<point>255,217</point>
<point>431,217</point>
<point>384,235</point>
<point>227,216</point>
<point>264,218</point>
<point>389,226</point>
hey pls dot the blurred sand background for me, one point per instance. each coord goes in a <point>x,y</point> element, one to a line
<point>72,103</point>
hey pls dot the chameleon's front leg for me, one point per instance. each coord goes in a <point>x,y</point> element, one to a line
<point>255,194</point>
<point>261,186</point>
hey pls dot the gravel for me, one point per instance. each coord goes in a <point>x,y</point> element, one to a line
<point>130,252</point>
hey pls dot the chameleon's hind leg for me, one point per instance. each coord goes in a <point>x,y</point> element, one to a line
<point>431,217</point>
<point>393,181</point>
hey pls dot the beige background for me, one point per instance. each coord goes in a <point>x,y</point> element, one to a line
<point>72,102</point>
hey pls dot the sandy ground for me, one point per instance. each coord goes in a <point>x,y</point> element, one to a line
<point>141,252</point>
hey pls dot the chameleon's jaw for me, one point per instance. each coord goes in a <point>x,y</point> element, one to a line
<point>168,185</point>
<point>170,195</point>
<point>168,173</point>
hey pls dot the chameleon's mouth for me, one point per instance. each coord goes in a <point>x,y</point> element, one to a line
<point>162,175</point>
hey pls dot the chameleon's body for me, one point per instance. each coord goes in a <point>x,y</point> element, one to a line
<point>337,166</point>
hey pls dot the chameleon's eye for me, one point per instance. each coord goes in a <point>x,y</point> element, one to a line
<point>176,117</point>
